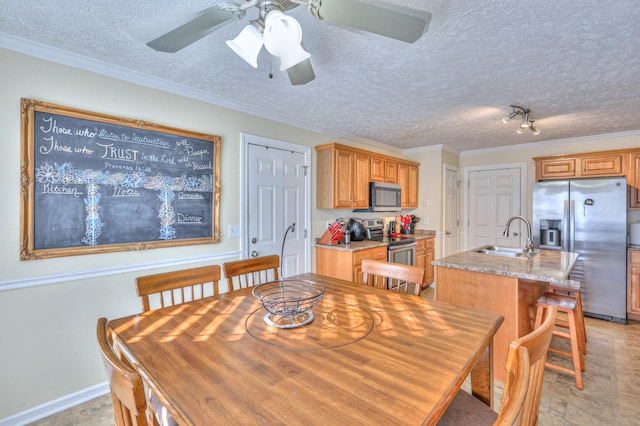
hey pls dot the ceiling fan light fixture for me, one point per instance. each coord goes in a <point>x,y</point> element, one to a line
<point>282,36</point>
<point>247,44</point>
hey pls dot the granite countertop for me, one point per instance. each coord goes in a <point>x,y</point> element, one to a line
<point>548,265</point>
<point>632,247</point>
<point>420,234</point>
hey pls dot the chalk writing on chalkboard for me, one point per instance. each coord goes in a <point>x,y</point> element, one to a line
<point>94,183</point>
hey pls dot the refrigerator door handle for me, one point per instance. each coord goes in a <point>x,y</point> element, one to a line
<point>572,226</point>
<point>565,237</point>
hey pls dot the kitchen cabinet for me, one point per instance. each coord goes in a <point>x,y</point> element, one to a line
<point>599,164</point>
<point>342,178</point>
<point>425,254</point>
<point>556,169</point>
<point>633,285</point>
<point>346,265</point>
<point>344,173</point>
<point>633,180</point>
<point>408,180</point>
<point>384,170</point>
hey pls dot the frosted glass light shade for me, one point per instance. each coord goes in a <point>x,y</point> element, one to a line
<point>282,37</point>
<point>247,45</point>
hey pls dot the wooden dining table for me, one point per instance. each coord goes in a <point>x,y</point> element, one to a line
<point>369,356</point>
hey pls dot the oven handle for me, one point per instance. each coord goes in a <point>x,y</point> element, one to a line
<point>401,246</point>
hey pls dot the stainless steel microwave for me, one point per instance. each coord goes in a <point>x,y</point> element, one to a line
<point>383,197</point>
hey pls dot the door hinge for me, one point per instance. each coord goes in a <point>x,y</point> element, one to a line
<point>305,169</point>
<point>305,233</point>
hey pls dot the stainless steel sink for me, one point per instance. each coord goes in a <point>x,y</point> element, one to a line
<point>506,251</point>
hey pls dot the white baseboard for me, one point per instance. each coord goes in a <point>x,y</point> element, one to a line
<point>55,406</point>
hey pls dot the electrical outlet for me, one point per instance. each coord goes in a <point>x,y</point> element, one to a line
<point>426,220</point>
<point>234,231</point>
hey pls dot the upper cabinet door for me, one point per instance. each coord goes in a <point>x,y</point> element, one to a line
<point>408,180</point>
<point>384,170</point>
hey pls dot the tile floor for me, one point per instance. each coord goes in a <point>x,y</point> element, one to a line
<point>611,394</point>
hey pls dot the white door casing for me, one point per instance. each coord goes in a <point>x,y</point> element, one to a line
<point>451,212</point>
<point>277,196</point>
<point>495,193</point>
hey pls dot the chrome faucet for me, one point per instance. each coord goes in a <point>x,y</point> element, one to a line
<point>530,248</point>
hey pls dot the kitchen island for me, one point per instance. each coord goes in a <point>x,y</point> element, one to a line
<point>508,286</point>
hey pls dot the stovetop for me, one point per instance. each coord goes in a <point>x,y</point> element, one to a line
<point>375,232</point>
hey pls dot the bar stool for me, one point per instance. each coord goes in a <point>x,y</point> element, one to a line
<point>566,304</point>
<point>573,288</point>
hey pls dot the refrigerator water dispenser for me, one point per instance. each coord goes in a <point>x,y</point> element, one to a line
<point>550,237</point>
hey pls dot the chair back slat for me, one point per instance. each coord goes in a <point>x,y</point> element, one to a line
<point>251,272</point>
<point>392,276</point>
<point>168,288</point>
<point>516,385</point>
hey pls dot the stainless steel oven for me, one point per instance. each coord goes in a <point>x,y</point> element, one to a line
<point>402,252</point>
<point>400,249</point>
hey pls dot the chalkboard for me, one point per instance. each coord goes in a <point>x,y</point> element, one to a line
<point>95,183</point>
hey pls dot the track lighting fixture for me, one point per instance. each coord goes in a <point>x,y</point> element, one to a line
<point>526,122</point>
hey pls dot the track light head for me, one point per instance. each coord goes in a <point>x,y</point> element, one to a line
<point>526,122</point>
<point>534,130</point>
<point>506,119</point>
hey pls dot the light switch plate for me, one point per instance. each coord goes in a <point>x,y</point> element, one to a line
<point>234,231</point>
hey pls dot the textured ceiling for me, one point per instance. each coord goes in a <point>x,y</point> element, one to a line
<point>575,64</point>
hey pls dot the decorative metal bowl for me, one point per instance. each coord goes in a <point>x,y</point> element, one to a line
<point>288,302</point>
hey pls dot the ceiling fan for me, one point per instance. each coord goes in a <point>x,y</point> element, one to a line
<point>281,34</point>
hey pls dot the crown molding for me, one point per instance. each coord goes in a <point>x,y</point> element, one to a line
<point>534,145</point>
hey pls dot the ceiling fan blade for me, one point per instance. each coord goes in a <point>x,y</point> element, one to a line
<point>301,73</point>
<point>205,22</point>
<point>400,23</point>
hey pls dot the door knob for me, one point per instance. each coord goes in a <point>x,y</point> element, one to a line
<point>448,233</point>
<point>515,234</point>
<point>254,253</point>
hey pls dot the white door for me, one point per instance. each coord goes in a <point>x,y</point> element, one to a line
<point>277,204</point>
<point>494,196</point>
<point>451,211</point>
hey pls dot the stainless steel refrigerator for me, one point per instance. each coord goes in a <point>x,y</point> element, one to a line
<point>589,217</point>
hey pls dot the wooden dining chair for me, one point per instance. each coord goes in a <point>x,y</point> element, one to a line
<point>520,402</point>
<point>251,272</point>
<point>392,276</point>
<point>175,287</point>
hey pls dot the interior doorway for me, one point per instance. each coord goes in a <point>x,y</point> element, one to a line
<point>276,202</point>
<point>451,212</point>
<point>495,193</point>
